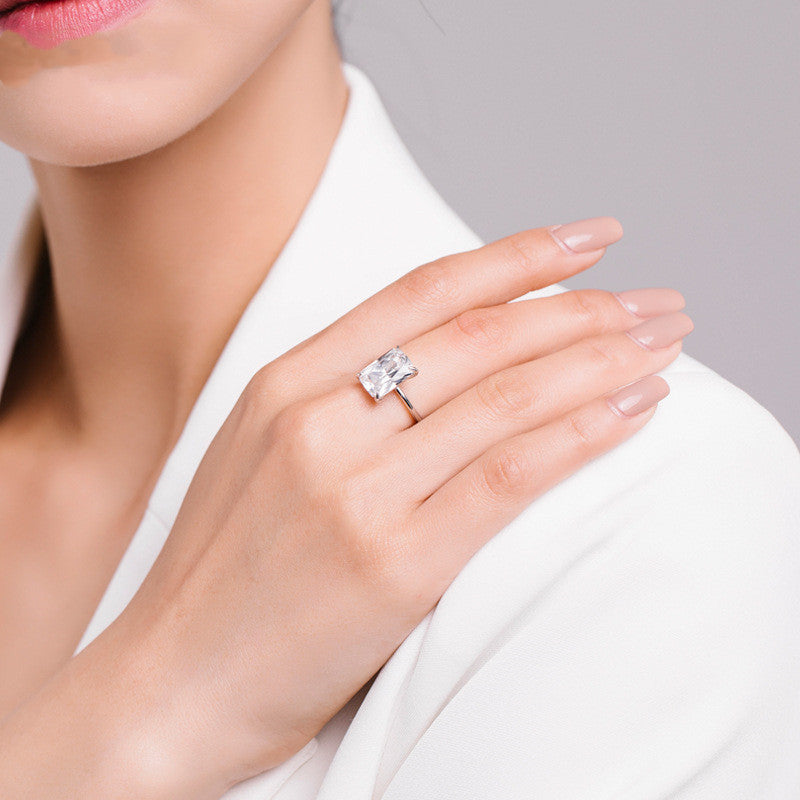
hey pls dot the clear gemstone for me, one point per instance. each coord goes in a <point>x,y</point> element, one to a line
<point>384,373</point>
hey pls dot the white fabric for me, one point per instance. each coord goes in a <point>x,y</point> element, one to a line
<point>634,634</point>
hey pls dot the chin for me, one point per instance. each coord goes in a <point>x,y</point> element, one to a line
<point>120,94</point>
<point>83,125</point>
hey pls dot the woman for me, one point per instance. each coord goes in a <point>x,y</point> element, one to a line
<point>514,596</point>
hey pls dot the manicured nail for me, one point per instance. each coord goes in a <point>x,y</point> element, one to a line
<point>637,397</point>
<point>586,234</point>
<point>662,331</point>
<point>651,302</point>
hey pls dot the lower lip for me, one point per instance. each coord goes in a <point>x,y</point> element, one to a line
<point>49,23</point>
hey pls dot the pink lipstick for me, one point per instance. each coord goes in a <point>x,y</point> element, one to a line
<point>47,23</point>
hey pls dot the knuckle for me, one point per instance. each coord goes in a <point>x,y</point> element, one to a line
<point>505,396</point>
<point>346,500</point>
<point>370,543</point>
<point>508,471</point>
<point>604,352</point>
<point>261,395</point>
<point>591,308</point>
<point>481,330</point>
<point>520,251</point>
<point>430,286</point>
<point>378,562</point>
<point>302,427</point>
<point>583,430</point>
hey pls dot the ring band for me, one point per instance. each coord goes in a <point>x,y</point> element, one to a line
<point>414,412</point>
<point>384,375</point>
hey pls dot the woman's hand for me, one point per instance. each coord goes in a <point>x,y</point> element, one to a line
<point>321,526</point>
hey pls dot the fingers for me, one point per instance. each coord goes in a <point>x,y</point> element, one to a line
<point>528,395</point>
<point>494,489</point>
<point>432,294</point>
<point>480,341</point>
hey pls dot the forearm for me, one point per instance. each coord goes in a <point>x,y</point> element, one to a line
<point>97,730</point>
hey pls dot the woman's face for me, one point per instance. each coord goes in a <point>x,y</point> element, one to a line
<point>122,92</point>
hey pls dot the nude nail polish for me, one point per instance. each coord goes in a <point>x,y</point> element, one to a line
<point>639,396</point>
<point>586,234</point>
<point>651,302</point>
<point>661,331</point>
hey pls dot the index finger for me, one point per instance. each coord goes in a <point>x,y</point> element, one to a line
<point>434,293</point>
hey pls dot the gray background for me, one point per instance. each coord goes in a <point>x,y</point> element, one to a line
<point>681,119</point>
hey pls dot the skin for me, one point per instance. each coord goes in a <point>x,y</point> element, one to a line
<point>169,702</point>
<point>87,421</point>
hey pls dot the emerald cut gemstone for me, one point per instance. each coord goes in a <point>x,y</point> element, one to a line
<point>384,373</point>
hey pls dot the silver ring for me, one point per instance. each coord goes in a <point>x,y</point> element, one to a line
<point>384,375</point>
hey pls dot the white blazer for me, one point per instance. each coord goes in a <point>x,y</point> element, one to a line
<point>634,634</point>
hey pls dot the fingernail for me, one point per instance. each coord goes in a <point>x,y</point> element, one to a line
<point>586,234</point>
<point>662,331</point>
<point>651,302</point>
<point>645,393</point>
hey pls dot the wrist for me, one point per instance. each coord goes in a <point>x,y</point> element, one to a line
<point>97,730</point>
<point>158,736</point>
<point>196,726</point>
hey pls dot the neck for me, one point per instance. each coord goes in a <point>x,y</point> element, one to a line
<point>154,259</point>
